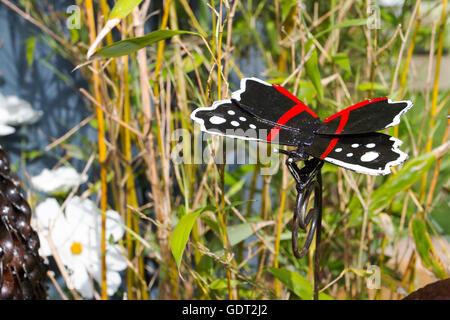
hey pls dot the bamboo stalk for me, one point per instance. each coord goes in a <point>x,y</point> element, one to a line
<point>265,205</point>
<point>101,148</point>
<point>436,170</point>
<point>182,103</point>
<point>434,98</point>
<point>222,218</point>
<point>402,48</point>
<point>408,60</point>
<point>410,53</point>
<point>163,203</point>
<point>131,197</point>
<point>428,84</point>
<point>284,184</point>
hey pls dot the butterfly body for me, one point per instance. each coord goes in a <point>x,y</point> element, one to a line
<point>269,113</point>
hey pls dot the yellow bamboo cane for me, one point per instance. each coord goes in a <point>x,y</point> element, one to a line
<point>101,149</point>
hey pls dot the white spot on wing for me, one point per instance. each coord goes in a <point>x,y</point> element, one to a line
<point>369,156</point>
<point>338,150</point>
<point>235,123</point>
<point>355,145</point>
<point>349,154</point>
<point>252,126</point>
<point>370,145</point>
<point>242,119</point>
<point>387,168</point>
<point>231,112</point>
<point>201,121</point>
<point>217,120</point>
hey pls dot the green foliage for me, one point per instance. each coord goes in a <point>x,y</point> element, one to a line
<point>31,45</point>
<point>232,220</point>
<point>123,8</point>
<point>342,60</point>
<point>344,24</point>
<point>369,86</point>
<point>425,248</point>
<point>131,45</point>
<point>297,284</point>
<point>412,171</point>
<point>181,234</point>
<point>312,69</point>
<point>240,232</point>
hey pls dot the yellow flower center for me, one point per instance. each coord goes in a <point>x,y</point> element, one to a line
<point>76,248</point>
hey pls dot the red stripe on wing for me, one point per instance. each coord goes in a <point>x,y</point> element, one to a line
<point>329,148</point>
<point>355,106</point>
<point>291,113</point>
<point>300,104</point>
<point>344,118</point>
<point>273,133</point>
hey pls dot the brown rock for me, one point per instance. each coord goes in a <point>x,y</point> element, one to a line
<point>22,270</point>
<point>439,290</point>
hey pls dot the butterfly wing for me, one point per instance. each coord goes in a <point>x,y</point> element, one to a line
<point>276,104</point>
<point>364,117</point>
<point>263,112</point>
<point>373,153</point>
<point>227,118</point>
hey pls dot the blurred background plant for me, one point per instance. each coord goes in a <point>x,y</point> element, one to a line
<point>207,231</point>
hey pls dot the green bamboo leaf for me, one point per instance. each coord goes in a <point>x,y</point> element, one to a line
<point>344,24</point>
<point>30,46</point>
<point>221,284</point>
<point>235,188</point>
<point>425,249</point>
<point>341,59</point>
<point>123,8</point>
<point>183,229</point>
<point>211,223</point>
<point>307,92</point>
<point>128,46</point>
<point>240,232</point>
<point>33,154</point>
<point>368,86</point>
<point>181,234</point>
<point>289,21</point>
<point>358,272</point>
<point>409,174</point>
<point>312,69</point>
<point>286,8</point>
<point>297,284</point>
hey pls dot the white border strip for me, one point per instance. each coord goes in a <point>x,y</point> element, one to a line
<point>396,119</point>
<point>236,95</point>
<point>201,122</point>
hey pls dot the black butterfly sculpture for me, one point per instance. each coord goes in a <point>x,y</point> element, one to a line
<point>269,113</point>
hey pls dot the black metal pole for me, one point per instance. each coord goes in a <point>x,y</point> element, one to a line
<point>318,195</point>
<point>309,180</point>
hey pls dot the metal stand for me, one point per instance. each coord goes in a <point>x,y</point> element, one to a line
<point>308,179</point>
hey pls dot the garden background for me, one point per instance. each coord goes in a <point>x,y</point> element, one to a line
<point>331,54</point>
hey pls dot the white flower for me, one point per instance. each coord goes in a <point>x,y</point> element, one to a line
<point>5,130</point>
<point>58,181</point>
<point>15,112</point>
<point>391,3</point>
<point>75,236</point>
